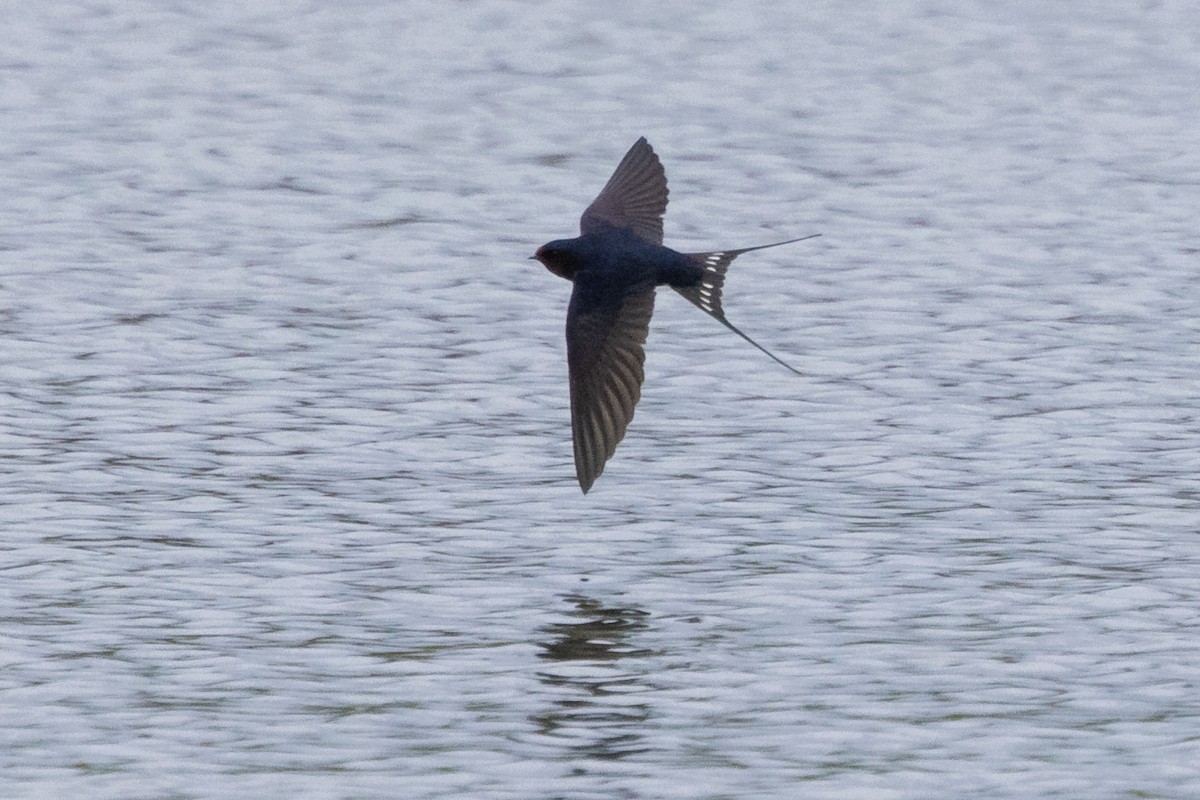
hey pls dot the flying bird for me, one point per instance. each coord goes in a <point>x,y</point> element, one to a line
<point>616,263</point>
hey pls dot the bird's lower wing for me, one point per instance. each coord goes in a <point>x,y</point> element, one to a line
<point>605,354</point>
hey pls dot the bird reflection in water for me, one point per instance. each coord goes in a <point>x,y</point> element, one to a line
<point>596,705</point>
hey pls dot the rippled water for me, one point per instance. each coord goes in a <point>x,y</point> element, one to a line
<point>287,493</point>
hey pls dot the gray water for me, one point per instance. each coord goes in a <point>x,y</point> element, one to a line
<point>287,499</point>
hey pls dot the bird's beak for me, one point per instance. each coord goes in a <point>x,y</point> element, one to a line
<point>533,258</point>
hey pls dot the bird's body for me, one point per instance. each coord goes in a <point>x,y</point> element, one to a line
<point>620,258</point>
<point>616,263</point>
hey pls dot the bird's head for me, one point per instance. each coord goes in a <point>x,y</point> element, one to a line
<point>559,257</point>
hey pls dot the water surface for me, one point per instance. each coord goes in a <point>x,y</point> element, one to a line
<point>287,494</point>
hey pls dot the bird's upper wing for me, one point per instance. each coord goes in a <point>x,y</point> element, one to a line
<point>635,196</point>
<point>606,331</point>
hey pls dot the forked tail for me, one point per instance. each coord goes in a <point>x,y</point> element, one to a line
<point>706,295</point>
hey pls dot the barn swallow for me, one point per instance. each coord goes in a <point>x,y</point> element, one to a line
<point>616,263</point>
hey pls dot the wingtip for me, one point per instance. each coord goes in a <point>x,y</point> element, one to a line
<point>581,475</point>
